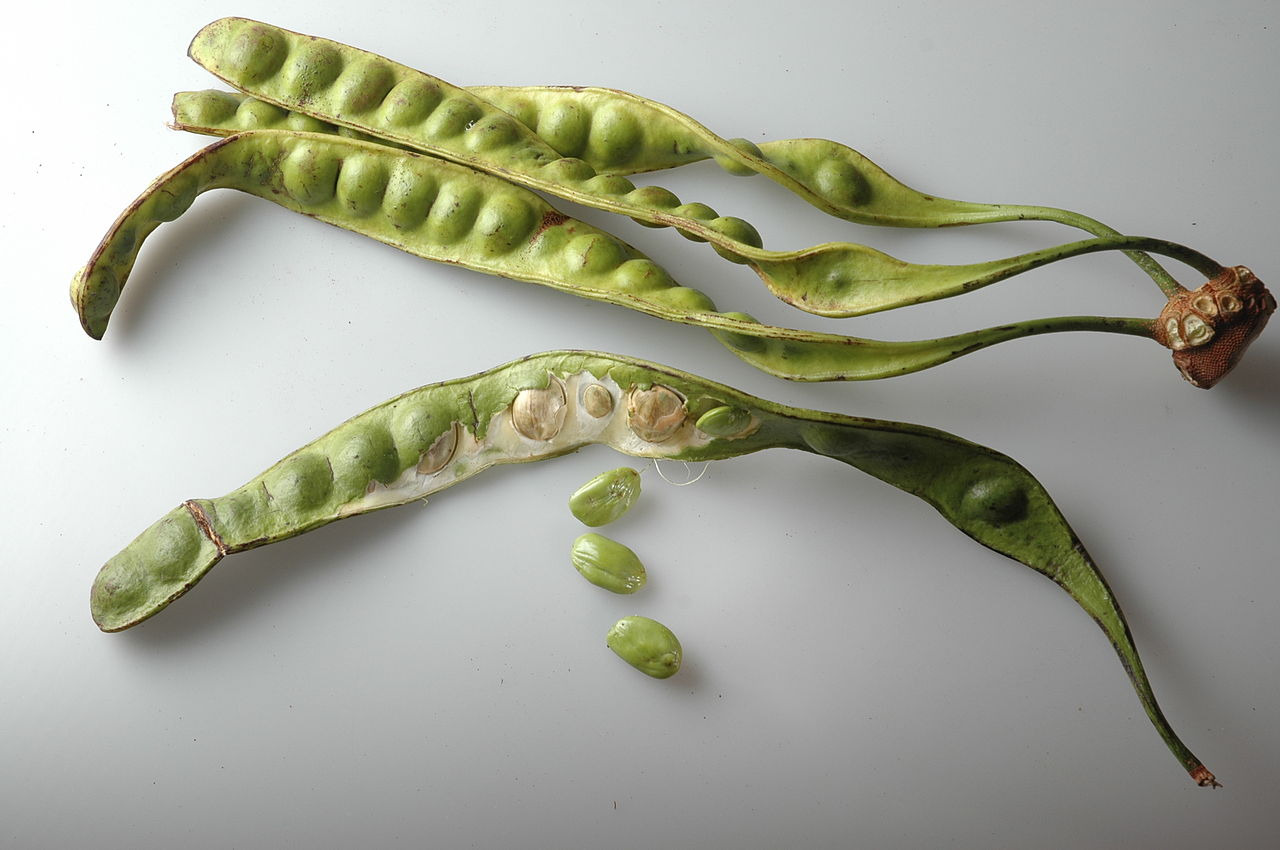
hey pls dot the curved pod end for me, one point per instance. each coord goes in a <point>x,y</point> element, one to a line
<point>1204,778</point>
<point>94,293</point>
<point>161,564</point>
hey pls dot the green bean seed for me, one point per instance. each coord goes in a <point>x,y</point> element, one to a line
<point>607,563</point>
<point>646,645</point>
<point>606,497</point>
<point>725,421</point>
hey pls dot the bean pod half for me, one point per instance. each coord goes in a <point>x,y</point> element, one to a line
<point>431,438</point>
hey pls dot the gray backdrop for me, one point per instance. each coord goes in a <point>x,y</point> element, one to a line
<point>858,673</point>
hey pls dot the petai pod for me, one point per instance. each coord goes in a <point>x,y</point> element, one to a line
<point>837,280</point>
<point>370,94</point>
<point>446,212</point>
<point>431,438</point>
<point>828,175</point>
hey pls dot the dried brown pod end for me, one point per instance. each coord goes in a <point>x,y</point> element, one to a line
<point>1208,329</point>
<point>1204,778</point>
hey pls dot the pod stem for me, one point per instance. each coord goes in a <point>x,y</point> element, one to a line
<point>1085,583</point>
<point>1158,273</point>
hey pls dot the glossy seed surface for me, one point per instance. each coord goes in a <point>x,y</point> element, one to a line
<point>606,497</point>
<point>646,645</point>
<point>607,563</point>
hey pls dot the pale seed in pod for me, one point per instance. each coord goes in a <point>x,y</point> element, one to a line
<point>724,421</point>
<point>441,451</point>
<point>539,413</point>
<point>655,414</point>
<point>597,401</point>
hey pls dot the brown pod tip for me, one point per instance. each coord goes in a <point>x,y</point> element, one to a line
<point>1208,329</point>
<point>1204,778</point>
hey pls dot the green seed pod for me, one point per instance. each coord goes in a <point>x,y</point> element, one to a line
<point>547,405</point>
<point>607,563</point>
<point>606,497</point>
<point>646,645</point>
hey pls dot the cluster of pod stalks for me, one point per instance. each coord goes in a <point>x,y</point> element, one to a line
<point>449,173</point>
<point>547,405</point>
<point>454,174</point>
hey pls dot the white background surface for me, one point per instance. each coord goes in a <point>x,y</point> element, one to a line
<point>858,673</point>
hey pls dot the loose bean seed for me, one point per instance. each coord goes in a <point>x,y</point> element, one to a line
<point>607,563</point>
<point>646,645</point>
<point>606,497</point>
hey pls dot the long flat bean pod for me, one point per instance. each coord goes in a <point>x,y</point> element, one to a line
<point>549,404</point>
<point>818,280</point>
<point>447,212</point>
<point>373,95</point>
<point>830,176</point>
